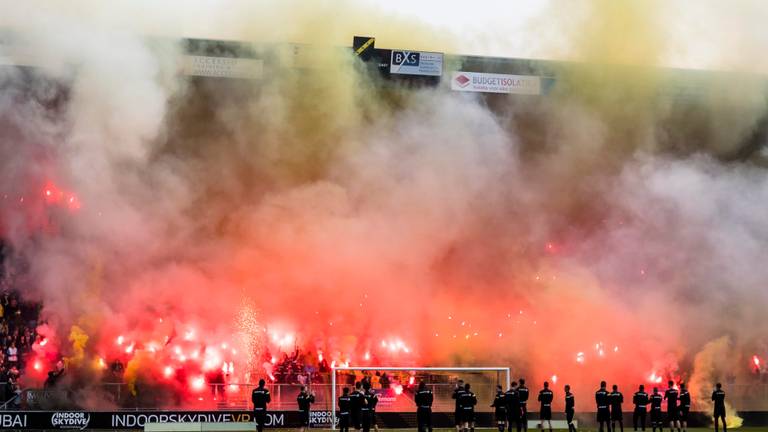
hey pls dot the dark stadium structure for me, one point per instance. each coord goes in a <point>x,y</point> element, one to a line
<point>680,93</point>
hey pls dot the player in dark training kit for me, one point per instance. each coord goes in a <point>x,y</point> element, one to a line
<point>304,400</point>
<point>513,407</point>
<point>603,413</point>
<point>370,400</point>
<point>616,399</point>
<point>685,406</point>
<point>456,396</point>
<point>467,402</point>
<point>656,400</point>
<point>500,408</point>
<point>424,399</point>
<point>522,394</point>
<point>345,405</point>
<point>671,396</point>
<point>545,412</point>
<point>570,408</point>
<point>357,399</point>
<point>640,399</point>
<point>260,398</point>
<point>718,397</point>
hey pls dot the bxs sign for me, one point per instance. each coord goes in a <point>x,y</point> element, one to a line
<point>416,63</point>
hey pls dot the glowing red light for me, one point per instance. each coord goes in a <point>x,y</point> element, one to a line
<point>167,371</point>
<point>653,378</point>
<point>73,203</point>
<point>37,366</point>
<point>756,360</point>
<point>552,248</point>
<point>43,342</point>
<point>411,380</point>
<point>197,383</point>
<point>398,389</point>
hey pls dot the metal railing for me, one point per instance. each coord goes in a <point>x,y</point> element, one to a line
<point>9,401</point>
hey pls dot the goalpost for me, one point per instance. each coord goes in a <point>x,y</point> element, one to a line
<point>503,376</point>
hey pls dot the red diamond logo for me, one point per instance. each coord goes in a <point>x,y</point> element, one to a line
<point>462,80</point>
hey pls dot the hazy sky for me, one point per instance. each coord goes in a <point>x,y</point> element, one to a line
<point>694,33</point>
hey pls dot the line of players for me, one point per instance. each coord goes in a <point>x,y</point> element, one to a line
<point>511,407</point>
<point>358,408</point>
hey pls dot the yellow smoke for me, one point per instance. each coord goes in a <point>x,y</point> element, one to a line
<point>141,361</point>
<point>622,97</point>
<point>708,367</point>
<point>78,340</point>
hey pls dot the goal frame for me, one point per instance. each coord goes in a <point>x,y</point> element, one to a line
<point>335,369</point>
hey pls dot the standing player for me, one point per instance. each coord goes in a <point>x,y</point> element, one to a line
<point>685,406</point>
<point>458,391</point>
<point>500,411</point>
<point>603,413</point>
<point>357,400</point>
<point>718,397</point>
<point>656,400</point>
<point>305,400</point>
<point>640,399</point>
<point>371,400</point>
<point>570,410</point>
<point>260,398</point>
<point>671,396</point>
<point>616,399</point>
<point>424,399</point>
<point>345,403</point>
<point>545,413</point>
<point>467,401</point>
<point>513,406</point>
<point>522,394</point>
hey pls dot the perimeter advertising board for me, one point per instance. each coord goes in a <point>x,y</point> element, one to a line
<point>135,420</point>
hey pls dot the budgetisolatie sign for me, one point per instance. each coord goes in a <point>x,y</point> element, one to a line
<point>495,83</point>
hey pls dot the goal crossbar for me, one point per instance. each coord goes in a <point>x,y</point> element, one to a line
<point>335,369</point>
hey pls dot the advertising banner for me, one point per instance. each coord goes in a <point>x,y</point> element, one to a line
<point>495,83</point>
<point>135,420</point>
<point>416,63</point>
<point>224,67</point>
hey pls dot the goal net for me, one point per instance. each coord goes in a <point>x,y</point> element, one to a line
<point>396,386</point>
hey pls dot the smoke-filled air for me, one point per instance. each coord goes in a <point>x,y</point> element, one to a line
<point>183,225</point>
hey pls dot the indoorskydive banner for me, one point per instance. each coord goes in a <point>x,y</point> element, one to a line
<point>132,420</point>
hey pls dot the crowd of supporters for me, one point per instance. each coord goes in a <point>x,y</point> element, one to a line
<point>18,321</point>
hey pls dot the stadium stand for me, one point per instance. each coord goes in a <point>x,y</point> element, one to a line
<point>18,321</point>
